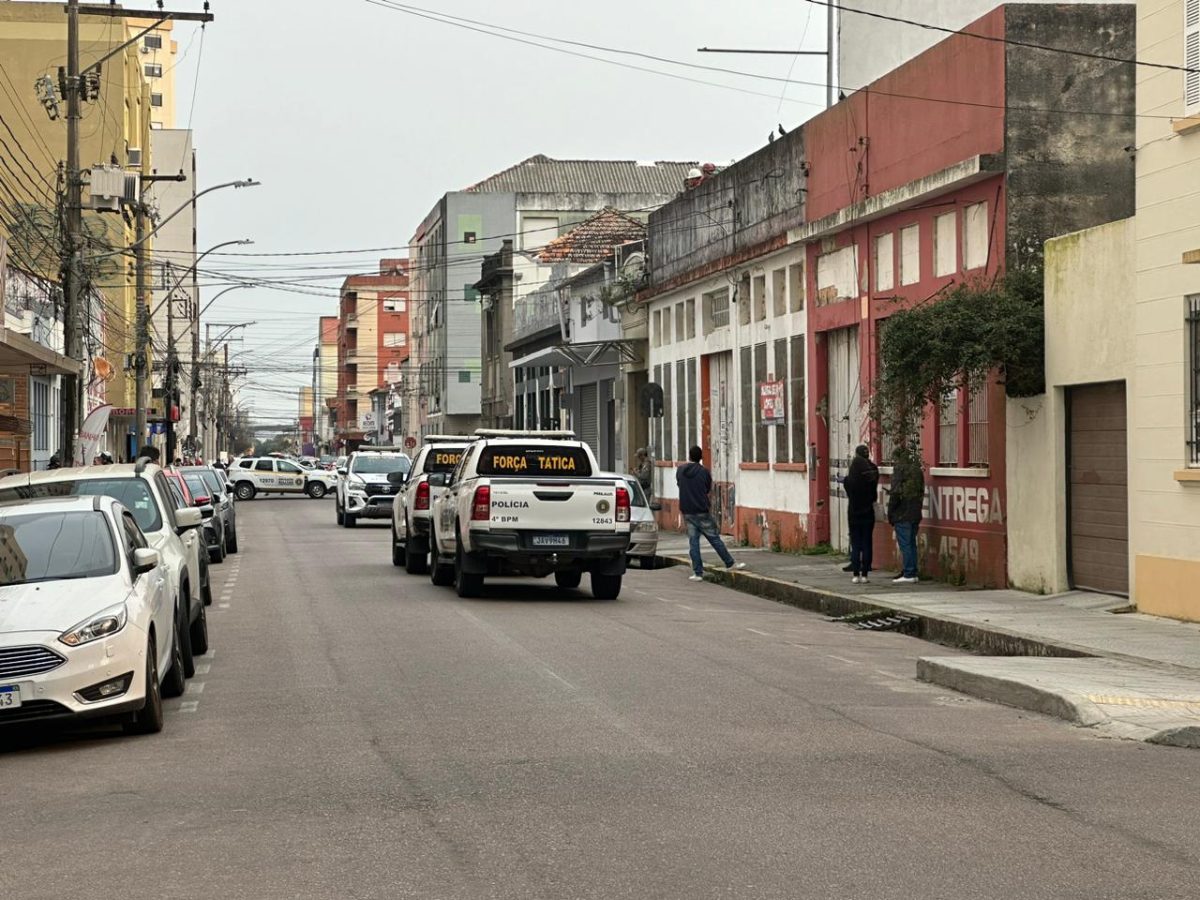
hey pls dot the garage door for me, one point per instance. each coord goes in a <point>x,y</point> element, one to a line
<point>1099,488</point>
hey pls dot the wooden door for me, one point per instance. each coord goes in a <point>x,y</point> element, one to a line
<point>1098,488</point>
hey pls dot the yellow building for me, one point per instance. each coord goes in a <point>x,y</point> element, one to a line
<point>1165,402</point>
<point>115,130</point>
<point>159,54</point>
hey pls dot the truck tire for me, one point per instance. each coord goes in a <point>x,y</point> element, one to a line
<point>349,519</point>
<point>341,516</point>
<point>606,587</point>
<point>315,489</point>
<point>416,549</point>
<point>399,553</point>
<point>568,579</point>
<point>244,491</point>
<point>439,573</point>
<point>466,584</point>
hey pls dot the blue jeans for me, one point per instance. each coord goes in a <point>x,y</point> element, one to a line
<point>906,538</point>
<point>703,524</point>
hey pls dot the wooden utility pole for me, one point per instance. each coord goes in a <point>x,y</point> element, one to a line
<point>72,273</point>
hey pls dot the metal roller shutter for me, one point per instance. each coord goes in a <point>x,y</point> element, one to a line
<point>589,416</point>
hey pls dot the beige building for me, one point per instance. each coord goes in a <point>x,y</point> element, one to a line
<point>1165,402</point>
<point>159,53</point>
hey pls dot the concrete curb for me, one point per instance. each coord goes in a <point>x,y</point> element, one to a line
<point>1011,692</point>
<point>946,630</point>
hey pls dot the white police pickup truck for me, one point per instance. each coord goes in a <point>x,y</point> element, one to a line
<point>529,503</point>
<point>418,487</point>
<point>363,488</point>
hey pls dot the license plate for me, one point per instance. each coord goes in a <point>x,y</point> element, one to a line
<point>10,696</point>
<point>551,540</point>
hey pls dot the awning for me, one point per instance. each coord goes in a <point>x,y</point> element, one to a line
<point>19,350</point>
<point>593,353</point>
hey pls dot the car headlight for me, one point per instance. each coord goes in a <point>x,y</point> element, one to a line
<point>645,526</point>
<point>104,623</point>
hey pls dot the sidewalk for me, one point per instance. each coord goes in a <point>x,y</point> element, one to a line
<point>1128,675</point>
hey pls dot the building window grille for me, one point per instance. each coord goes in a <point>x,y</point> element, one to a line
<point>948,430</point>
<point>977,427</point>
<point>1193,335</point>
<point>156,100</point>
<point>152,42</point>
<point>153,70</point>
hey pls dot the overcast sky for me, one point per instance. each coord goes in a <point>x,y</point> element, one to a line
<point>357,118</point>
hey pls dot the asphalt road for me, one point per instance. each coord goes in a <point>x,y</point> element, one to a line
<point>359,733</point>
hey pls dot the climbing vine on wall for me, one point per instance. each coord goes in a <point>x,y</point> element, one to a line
<point>958,338</point>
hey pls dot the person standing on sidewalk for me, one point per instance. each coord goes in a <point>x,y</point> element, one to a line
<point>862,490</point>
<point>643,468</point>
<point>904,509</point>
<point>695,487</point>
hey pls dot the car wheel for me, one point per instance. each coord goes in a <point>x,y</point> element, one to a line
<point>198,635</point>
<point>606,587</point>
<point>439,573</point>
<point>568,579</point>
<point>466,584</point>
<point>349,519</point>
<point>231,543</point>
<point>217,556</point>
<point>175,681</point>
<point>316,490</point>
<point>244,491</point>
<point>149,719</point>
<point>185,640</point>
<point>399,555</point>
<point>417,556</point>
<point>341,516</point>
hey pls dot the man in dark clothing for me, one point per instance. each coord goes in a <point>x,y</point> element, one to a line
<point>150,452</point>
<point>862,490</point>
<point>904,510</point>
<point>695,486</point>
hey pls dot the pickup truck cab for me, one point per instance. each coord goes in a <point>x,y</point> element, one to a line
<point>530,503</point>
<point>363,488</point>
<point>438,457</point>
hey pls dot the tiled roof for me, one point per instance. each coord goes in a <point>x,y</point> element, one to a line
<point>542,175</point>
<point>592,240</point>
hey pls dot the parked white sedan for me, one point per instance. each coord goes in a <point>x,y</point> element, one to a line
<point>86,616</point>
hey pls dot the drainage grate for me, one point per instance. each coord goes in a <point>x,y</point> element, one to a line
<point>880,620</point>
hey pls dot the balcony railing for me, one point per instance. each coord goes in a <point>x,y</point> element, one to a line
<point>535,313</point>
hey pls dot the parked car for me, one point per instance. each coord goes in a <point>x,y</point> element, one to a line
<point>643,527</point>
<point>89,627</point>
<point>530,503</point>
<point>411,511</point>
<point>220,492</point>
<point>215,513</point>
<point>363,489</point>
<point>254,475</point>
<point>182,493</point>
<point>169,526</point>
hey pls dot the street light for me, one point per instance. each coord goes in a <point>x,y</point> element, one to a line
<point>245,182</point>
<point>220,294</point>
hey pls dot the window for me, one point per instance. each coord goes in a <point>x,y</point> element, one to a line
<point>468,237</point>
<point>779,292</point>
<point>681,404</point>
<point>656,327</point>
<point>152,42</point>
<point>264,465</point>
<point>716,310</point>
<point>395,306</point>
<point>746,411</point>
<point>45,546</point>
<point>1191,57</point>
<point>977,427</point>
<point>246,464</point>
<point>666,326</point>
<point>153,70</point>
<point>668,405</point>
<point>762,429</point>
<point>1193,352</point>
<point>464,376</point>
<point>41,415</point>
<point>947,450</point>
<point>693,401</point>
<point>796,287</point>
<point>760,297</point>
<point>885,262</point>
<point>531,459</point>
<point>680,328</point>
<point>395,339</point>
<point>290,468</point>
<point>689,317</point>
<point>837,276</point>
<point>743,300</point>
<point>796,399</point>
<point>156,99</point>
<point>910,255</point>
<point>779,372</point>
<point>134,539</point>
<point>975,236</point>
<point>945,244</point>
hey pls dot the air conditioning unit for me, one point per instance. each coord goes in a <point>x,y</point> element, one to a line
<point>134,156</point>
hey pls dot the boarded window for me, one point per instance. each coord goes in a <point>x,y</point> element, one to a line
<point>693,409</point>
<point>689,317</point>
<point>948,430</point>
<point>885,262</point>
<point>746,412</point>
<point>779,292</point>
<point>945,244</point>
<point>796,405</point>
<point>761,429</point>
<point>796,287</point>
<point>656,327</point>
<point>743,301</point>
<point>837,277</point>
<point>666,325</point>
<point>681,405</point>
<point>669,402</point>
<point>975,236</point>
<point>779,371</point>
<point>680,328</point>
<point>977,427</point>
<point>760,297</point>
<point>910,255</point>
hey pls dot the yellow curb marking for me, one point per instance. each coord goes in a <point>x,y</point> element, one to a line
<point>1192,706</point>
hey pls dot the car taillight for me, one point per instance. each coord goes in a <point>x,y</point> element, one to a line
<point>622,505</point>
<point>422,501</point>
<point>481,504</point>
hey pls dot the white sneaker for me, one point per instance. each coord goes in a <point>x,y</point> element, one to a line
<point>695,578</point>
<point>903,580</point>
<point>863,580</point>
<point>855,580</point>
<point>737,566</point>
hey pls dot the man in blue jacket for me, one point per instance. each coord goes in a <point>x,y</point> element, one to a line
<point>695,486</point>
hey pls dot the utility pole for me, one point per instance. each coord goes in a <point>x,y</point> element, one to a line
<point>72,270</point>
<point>169,378</point>
<point>141,357</point>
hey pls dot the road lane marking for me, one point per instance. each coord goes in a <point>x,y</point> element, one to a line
<point>195,687</point>
<point>685,606</point>
<point>848,662</point>
<point>763,633</point>
<point>189,706</point>
<point>555,675</point>
<point>222,606</point>
<point>203,669</point>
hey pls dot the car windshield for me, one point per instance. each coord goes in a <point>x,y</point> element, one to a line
<point>50,546</point>
<point>380,465</point>
<point>133,493</point>
<point>196,484</point>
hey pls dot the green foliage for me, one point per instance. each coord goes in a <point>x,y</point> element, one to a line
<point>956,339</point>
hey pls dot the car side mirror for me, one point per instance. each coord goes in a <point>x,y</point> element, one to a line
<point>206,511</point>
<point>186,519</point>
<point>144,559</point>
<point>341,471</point>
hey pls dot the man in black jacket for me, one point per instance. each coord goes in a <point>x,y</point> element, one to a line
<point>904,509</point>
<point>862,490</point>
<point>695,486</point>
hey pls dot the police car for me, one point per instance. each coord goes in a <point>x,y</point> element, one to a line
<point>253,475</point>
<point>363,488</point>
